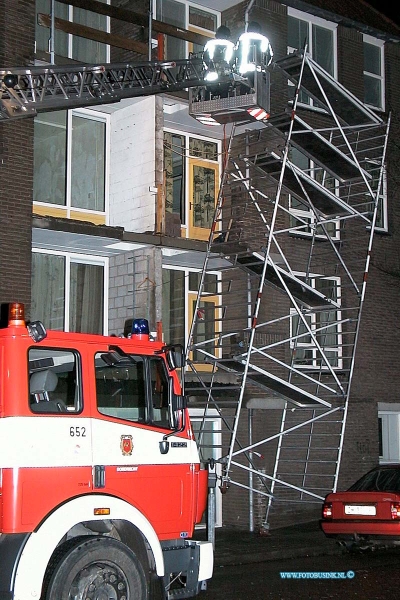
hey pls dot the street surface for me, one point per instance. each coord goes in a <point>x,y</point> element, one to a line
<point>368,576</point>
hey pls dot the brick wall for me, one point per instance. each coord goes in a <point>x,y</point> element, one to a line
<point>16,160</point>
<point>376,377</point>
<point>350,72</point>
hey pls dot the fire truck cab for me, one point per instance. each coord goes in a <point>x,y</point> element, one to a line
<point>100,479</point>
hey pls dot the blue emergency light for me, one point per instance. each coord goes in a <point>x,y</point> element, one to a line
<point>140,327</point>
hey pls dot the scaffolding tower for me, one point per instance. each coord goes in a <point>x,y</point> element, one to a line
<point>291,239</point>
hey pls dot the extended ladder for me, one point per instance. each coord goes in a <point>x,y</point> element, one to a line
<point>26,91</point>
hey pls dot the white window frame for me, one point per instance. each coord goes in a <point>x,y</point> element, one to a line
<point>367,39</point>
<point>312,317</point>
<point>94,116</point>
<point>382,199</point>
<point>308,215</point>
<point>390,428</point>
<point>70,35</point>
<point>188,26</point>
<point>88,259</point>
<point>187,157</point>
<point>311,20</point>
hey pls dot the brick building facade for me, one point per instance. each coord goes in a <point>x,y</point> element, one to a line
<point>128,240</point>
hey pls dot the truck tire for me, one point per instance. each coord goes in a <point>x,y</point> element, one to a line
<point>98,568</point>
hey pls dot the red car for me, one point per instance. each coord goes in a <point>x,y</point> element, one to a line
<point>368,514</point>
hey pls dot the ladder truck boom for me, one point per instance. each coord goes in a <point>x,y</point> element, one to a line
<point>26,91</point>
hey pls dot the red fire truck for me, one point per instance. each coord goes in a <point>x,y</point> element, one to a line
<point>100,480</point>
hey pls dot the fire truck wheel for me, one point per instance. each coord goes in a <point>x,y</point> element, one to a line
<point>98,568</point>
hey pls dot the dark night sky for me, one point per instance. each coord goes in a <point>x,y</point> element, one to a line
<point>390,8</point>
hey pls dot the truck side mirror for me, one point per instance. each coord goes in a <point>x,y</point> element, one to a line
<point>178,402</point>
<point>175,359</point>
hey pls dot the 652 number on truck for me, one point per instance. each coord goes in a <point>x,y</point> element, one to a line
<point>100,480</point>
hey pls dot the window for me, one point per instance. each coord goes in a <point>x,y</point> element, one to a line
<point>120,387</point>
<point>174,13</point>
<point>159,390</point>
<point>202,21</point>
<point>378,480</point>
<point>174,165</point>
<point>54,381</point>
<point>174,310</point>
<point>185,16</point>
<point>180,288</point>
<point>206,332</point>
<point>389,432</point>
<point>191,166</point>
<point>70,160</point>
<point>374,168</point>
<point>122,392</point>
<point>324,325</point>
<point>68,45</point>
<point>68,291</point>
<point>374,84</point>
<point>303,221</point>
<point>319,36</point>
<point>203,191</point>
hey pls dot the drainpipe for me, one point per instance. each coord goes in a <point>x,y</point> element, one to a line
<point>251,493</point>
<point>52,32</point>
<point>246,14</point>
<point>150,27</point>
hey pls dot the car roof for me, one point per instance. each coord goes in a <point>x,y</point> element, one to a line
<point>382,467</point>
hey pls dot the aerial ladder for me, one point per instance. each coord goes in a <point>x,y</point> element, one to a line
<point>26,91</point>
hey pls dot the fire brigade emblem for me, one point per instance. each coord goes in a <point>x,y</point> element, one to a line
<point>126,445</point>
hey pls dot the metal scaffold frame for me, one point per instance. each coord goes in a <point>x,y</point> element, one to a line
<point>292,237</point>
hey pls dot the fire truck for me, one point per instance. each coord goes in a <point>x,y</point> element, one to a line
<point>101,484</point>
<point>100,480</point>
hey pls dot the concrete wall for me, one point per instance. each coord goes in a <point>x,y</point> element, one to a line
<point>134,288</point>
<point>120,298</point>
<point>132,167</point>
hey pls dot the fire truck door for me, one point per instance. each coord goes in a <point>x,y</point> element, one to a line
<point>132,416</point>
<point>57,464</point>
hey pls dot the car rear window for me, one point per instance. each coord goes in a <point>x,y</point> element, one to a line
<point>385,480</point>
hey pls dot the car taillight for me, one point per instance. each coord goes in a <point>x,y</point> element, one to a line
<point>395,510</point>
<point>327,510</point>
